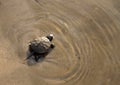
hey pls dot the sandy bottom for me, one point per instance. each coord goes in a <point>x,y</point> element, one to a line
<point>87,39</point>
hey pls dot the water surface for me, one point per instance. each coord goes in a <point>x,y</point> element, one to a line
<point>87,39</point>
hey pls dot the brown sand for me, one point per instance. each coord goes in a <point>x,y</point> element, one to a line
<point>87,39</point>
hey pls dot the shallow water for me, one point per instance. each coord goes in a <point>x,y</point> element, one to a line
<point>87,39</point>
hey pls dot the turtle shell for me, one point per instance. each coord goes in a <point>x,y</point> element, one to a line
<point>40,45</point>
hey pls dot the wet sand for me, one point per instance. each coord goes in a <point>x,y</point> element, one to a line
<point>87,39</point>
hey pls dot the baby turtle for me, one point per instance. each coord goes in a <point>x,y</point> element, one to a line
<point>40,47</point>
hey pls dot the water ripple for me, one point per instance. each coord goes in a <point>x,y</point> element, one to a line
<point>86,39</point>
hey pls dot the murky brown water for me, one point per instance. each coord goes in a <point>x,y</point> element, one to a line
<point>87,39</point>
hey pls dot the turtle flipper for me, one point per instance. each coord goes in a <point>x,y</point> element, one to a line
<point>29,55</point>
<point>52,46</point>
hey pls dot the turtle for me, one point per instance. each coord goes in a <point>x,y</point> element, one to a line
<point>40,47</point>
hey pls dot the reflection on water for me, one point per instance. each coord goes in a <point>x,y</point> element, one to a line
<point>86,38</point>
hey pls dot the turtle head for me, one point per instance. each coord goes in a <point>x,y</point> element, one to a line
<point>50,37</point>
